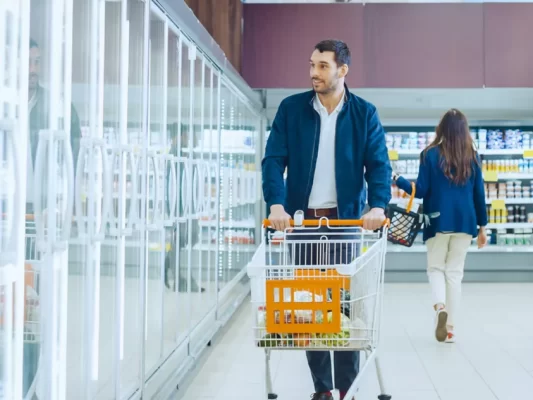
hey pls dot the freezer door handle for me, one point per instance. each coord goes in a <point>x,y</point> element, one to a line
<point>172,189</point>
<point>7,254</point>
<point>67,220</point>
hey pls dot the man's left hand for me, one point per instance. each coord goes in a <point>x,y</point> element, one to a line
<point>374,219</point>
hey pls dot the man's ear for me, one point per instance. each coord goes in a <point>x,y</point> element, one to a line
<point>343,71</point>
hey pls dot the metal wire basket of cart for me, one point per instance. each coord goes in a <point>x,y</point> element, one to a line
<point>404,223</point>
<point>319,287</point>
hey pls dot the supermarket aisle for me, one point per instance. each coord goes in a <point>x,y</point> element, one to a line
<point>493,359</point>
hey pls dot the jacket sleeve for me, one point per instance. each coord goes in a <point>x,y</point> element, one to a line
<point>423,180</point>
<point>378,171</point>
<point>479,195</point>
<point>275,160</point>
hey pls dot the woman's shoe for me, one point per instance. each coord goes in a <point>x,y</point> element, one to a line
<point>441,332</point>
<point>450,337</point>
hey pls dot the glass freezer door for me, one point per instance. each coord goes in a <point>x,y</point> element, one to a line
<point>54,139</point>
<point>15,316</point>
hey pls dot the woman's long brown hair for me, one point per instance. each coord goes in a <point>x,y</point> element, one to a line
<point>457,153</point>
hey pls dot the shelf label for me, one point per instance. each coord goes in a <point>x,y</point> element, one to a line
<point>528,153</point>
<point>490,176</point>
<point>498,204</point>
<point>393,155</point>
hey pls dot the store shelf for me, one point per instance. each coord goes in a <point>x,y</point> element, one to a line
<point>241,248</point>
<point>229,224</point>
<point>501,176</point>
<point>420,248</point>
<point>235,150</point>
<point>513,225</point>
<point>501,152</point>
<point>514,176</point>
<point>484,152</point>
<point>512,201</point>
<point>488,201</point>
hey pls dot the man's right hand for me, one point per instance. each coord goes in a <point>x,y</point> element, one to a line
<point>279,219</point>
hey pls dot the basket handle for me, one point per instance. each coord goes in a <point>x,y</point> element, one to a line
<point>412,198</point>
<point>328,222</point>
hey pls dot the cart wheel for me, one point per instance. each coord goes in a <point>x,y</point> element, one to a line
<point>272,396</point>
<point>384,397</point>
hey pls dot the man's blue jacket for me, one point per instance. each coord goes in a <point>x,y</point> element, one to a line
<point>360,153</point>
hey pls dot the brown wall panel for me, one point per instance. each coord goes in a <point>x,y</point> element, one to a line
<point>508,45</point>
<point>424,45</point>
<point>279,39</point>
<point>223,20</point>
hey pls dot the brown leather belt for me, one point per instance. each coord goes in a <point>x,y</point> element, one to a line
<point>321,212</point>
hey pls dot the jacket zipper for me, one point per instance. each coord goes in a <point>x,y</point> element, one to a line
<point>311,171</point>
<point>336,130</point>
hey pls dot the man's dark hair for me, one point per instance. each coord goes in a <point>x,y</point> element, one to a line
<point>33,43</point>
<point>339,48</point>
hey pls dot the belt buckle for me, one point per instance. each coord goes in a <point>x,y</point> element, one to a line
<point>321,212</point>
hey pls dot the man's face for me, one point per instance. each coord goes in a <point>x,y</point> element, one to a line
<point>35,67</point>
<point>324,72</point>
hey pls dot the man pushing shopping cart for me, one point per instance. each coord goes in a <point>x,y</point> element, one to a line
<point>329,142</point>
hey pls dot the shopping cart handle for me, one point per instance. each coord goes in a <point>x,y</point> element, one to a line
<point>327,222</point>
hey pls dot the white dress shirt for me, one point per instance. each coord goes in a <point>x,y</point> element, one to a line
<point>324,190</point>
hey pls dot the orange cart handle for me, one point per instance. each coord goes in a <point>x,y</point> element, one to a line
<point>326,222</point>
<point>411,198</point>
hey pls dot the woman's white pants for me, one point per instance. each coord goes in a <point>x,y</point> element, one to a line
<point>446,262</point>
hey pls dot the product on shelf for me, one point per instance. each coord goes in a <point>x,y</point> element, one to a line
<point>239,236</point>
<point>508,166</point>
<point>520,237</point>
<point>513,139</point>
<point>409,140</point>
<point>508,189</point>
<point>500,140</point>
<point>406,166</point>
<point>509,214</point>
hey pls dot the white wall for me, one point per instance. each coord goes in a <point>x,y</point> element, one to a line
<point>425,106</point>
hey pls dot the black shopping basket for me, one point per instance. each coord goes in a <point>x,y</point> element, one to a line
<point>404,224</point>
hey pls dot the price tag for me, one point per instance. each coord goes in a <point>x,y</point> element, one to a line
<point>498,204</point>
<point>490,176</point>
<point>528,153</point>
<point>393,155</point>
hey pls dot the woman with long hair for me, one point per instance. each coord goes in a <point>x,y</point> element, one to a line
<point>450,182</point>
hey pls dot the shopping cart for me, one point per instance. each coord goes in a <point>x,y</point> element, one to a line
<point>319,287</point>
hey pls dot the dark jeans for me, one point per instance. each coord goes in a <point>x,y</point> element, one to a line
<point>346,362</point>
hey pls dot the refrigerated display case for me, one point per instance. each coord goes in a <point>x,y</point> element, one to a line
<point>145,146</point>
<point>16,318</point>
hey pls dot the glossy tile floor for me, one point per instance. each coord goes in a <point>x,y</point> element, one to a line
<point>492,360</point>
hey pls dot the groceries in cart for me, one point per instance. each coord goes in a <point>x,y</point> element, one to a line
<point>329,326</point>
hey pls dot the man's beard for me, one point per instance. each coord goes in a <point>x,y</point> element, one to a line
<point>326,89</point>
